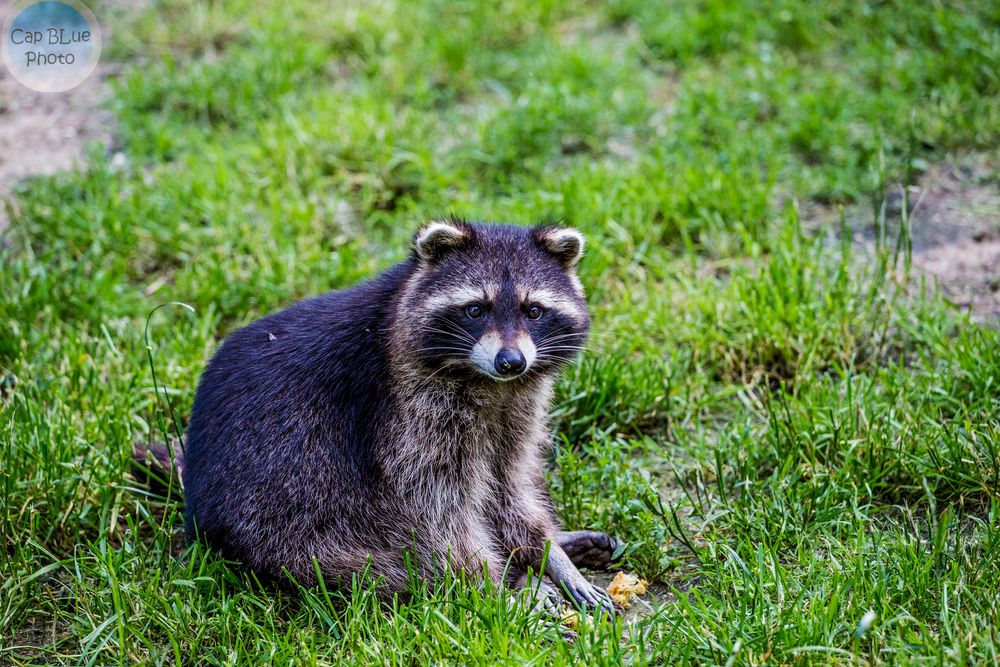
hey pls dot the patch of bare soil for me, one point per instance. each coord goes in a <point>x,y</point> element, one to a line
<point>954,216</point>
<point>956,234</point>
<point>43,133</point>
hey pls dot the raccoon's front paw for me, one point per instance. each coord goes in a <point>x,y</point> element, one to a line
<point>544,597</point>
<point>589,548</point>
<point>588,596</point>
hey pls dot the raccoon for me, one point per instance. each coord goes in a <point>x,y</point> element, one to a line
<point>400,422</point>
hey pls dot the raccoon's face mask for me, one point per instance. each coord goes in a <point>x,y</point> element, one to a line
<point>497,302</point>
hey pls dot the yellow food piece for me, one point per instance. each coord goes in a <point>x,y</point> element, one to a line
<point>570,618</point>
<point>626,586</point>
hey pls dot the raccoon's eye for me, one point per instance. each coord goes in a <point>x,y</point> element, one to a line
<point>474,311</point>
<point>534,312</point>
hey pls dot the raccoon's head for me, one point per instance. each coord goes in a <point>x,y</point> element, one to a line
<point>494,302</point>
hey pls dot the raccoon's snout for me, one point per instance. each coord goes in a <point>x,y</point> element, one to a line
<point>502,359</point>
<point>509,362</point>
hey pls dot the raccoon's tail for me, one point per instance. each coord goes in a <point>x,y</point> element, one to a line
<point>160,466</point>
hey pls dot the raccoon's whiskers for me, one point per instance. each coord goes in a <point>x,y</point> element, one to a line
<point>561,348</point>
<point>556,338</point>
<point>443,348</point>
<point>563,335</point>
<point>456,332</point>
<point>606,338</point>
<point>556,358</point>
<point>456,327</point>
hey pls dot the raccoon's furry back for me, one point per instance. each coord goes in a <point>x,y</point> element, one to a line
<point>285,424</point>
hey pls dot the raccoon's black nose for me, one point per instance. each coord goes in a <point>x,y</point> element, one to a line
<point>509,362</point>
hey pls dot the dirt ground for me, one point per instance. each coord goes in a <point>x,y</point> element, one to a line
<point>954,216</point>
<point>956,232</point>
<point>44,133</point>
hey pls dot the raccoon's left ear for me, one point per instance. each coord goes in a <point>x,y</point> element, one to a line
<point>565,243</point>
<point>439,237</point>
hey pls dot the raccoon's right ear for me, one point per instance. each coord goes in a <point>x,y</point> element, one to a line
<point>438,237</point>
<point>564,243</point>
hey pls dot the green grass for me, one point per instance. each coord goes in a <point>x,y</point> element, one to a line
<point>797,440</point>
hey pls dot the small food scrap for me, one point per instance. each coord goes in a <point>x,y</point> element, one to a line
<point>570,618</point>
<point>626,586</point>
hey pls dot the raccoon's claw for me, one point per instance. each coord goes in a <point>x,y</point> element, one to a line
<point>588,596</point>
<point>540,592</point>
<point>546,599</point>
